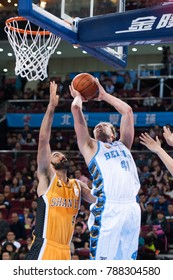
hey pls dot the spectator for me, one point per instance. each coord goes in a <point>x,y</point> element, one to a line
<point>33,190</point>
<point>149,215</point>
<point>20,139</point>
<point>141,160</point>
<point>158,106</point>
<point>155,162</point>
<point>26,130</point>
<point>136,143</point>
<point>154,196</point>
<point>11,238</point>
<point>153,132</point>
<point>74,257</point>
<point>7,193</point>
<point>27,218</point>
<point>15,186</point>
<point>29,140</point>
<point>158,173</point>
<point>25,175</point>
<point>32,170</point>
<point>6,256</point>
<point>137,102</point>
<point>57,139</point>
<point>17,147</point>
<point>7,179</point>
<point>82,211</point>
<point>109,86</point>
<point>17,226</point>
<point>11,248</point>
<point>150,182</point>
<point>143,201</point>
<point>24,249</point>
<point>80,219</point>
<point>128,84</point>
<point>160,229</point>
<point>149,101</point>
<point>23,194</point>
<point>169,218</point>
<point>161,204</point>
<point>81,177</point>
<point>148,250</point>
<point>4,203</point>
<point>145,173</point>
<point>34,205</point>
<point>19,176</point>
<point>4,227</point>
<point>66,84</point>
<point>80,240</point>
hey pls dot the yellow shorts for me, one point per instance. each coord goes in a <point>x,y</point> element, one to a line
<point>43,249</point>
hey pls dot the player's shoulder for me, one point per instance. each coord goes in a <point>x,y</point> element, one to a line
<point>81,183</point>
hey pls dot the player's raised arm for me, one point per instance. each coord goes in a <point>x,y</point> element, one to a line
<point>127,118</point>
<point>155,147</point>
<point>83,137</point>
<point>44,151</point>
<point>168,135</point>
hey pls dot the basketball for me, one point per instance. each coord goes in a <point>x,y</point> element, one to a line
<point>85,83</point>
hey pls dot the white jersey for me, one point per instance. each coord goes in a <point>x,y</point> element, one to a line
<point>114,221</point>
<point>117,170</point>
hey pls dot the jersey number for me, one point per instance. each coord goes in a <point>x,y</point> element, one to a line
<point>125,165</point>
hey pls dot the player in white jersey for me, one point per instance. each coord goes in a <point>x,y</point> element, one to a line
<point>114,221</point>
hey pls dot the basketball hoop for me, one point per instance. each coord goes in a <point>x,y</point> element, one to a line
<point>32,48</point>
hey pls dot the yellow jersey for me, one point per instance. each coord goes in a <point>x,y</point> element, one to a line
<point>55,219</point>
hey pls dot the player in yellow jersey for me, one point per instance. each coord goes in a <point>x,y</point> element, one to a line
<point>58,197</point>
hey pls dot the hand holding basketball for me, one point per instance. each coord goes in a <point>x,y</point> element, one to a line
<point>86,85</point>
<point>101,91</point>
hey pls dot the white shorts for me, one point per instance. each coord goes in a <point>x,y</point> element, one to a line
<point>114,234</point>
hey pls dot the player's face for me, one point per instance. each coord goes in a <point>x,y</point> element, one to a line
<point>103,132</point>
<point>59,161</point>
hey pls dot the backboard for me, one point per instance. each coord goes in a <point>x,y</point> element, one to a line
<point>102,28</point>
<point>72,9</point>
<point>61,18</point>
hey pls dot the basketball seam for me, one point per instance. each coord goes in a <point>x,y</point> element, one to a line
<point>80,80</point>
<point>88,86</point>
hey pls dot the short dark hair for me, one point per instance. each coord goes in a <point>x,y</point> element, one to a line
<point>79,225</point>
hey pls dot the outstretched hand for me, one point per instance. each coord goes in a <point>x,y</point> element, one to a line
<point>54,98</point>
<point>150,143</point>
<point>168,135</point>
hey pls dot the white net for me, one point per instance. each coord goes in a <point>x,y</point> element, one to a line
<point>31,48</point>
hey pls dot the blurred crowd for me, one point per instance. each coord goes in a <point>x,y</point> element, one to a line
<point>18,166</point>
<point>18,195</point>
<point>20,96</point>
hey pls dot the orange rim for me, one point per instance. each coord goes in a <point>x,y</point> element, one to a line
<point>23,31</point>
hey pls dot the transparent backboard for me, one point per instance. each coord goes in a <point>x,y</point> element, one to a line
<point>88,8</point>
<point>57,16</point>
<point>71,9</point>
<point>102,28</point>
<point>68,9</point>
